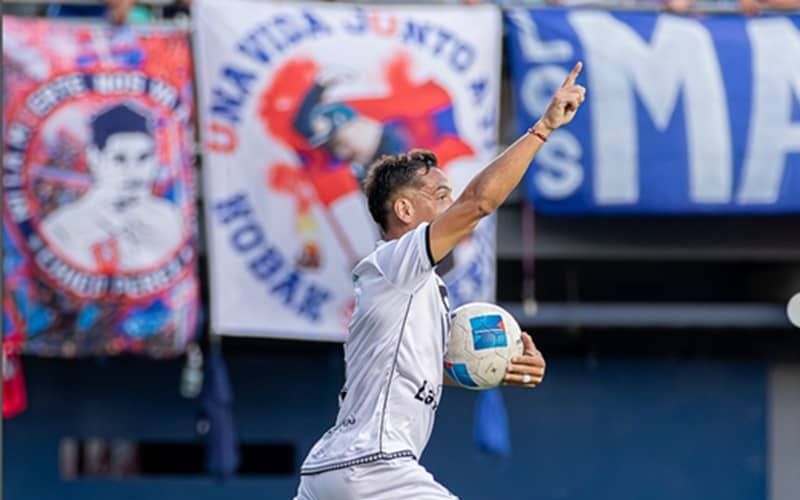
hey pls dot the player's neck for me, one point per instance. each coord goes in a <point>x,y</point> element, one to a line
<point>396,232</point>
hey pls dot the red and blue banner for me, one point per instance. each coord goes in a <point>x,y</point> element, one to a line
<point>297,100</point>
<point>99,221</point>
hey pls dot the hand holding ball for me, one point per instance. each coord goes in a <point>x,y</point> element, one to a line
<point>483,339</point>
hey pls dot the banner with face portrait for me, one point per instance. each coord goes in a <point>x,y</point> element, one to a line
<point>297,100</point>
<point>99,222</point>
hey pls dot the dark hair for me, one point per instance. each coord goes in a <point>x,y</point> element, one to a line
<point>390,174</point>
<point>116,120</point>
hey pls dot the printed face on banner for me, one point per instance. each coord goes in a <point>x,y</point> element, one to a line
<point>337,137</point>
<point>297,106</point>
<point>125,166</point>
<point>118,224</point>
<point>98,188</point>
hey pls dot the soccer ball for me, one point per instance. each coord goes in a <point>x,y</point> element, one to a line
<point>483,339</point>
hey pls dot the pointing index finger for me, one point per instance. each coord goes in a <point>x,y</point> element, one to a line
<point>573,75</point>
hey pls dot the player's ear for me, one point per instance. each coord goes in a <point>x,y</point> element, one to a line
<point>403,209</point>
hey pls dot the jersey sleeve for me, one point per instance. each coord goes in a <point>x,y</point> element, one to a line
<point>407,261</point>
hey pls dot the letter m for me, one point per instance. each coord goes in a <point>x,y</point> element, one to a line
<point>680,59</point>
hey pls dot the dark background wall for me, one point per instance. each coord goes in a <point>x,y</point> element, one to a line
<point>602,426</point>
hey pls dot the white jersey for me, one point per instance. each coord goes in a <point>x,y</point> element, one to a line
<point>393,356</point>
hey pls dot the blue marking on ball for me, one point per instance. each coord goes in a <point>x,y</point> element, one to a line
<point>459,373</point>
<point>488,332</point>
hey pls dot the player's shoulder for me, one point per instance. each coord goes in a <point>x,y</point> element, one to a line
<point>398,261</point>
<point>382,248</point>
<point>367,264</point>
<point>371,270</point>
<point>405,242</point>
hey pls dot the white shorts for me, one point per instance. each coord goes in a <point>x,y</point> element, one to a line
<point>398,479</point>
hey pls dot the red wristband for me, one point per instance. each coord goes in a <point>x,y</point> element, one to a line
<point>538,134</point>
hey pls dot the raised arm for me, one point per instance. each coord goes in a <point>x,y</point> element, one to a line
<point>490,188</point>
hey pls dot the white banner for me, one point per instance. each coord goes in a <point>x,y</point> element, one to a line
<point>296,100</point>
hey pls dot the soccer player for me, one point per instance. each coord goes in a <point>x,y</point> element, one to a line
<point>400,325</point>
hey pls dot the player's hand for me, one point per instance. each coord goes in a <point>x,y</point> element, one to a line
<point>526,370</point>
<point>566,101</point>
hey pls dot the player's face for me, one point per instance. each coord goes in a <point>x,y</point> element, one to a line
<point>126,165</point>
<point>434,196</point>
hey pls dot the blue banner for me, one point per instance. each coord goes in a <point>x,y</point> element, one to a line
<point>683,114</point>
